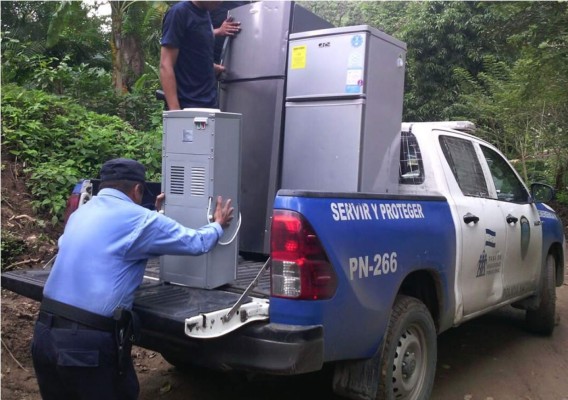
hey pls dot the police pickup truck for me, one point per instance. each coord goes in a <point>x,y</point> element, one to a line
<point>365,282</point>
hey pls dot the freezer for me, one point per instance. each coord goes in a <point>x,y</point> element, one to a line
<point>261,102</point>
<point>323,145</point>
<point>344,97</point>
<point>342,62</point>
<point>254,86</point>
<point>260,49</point>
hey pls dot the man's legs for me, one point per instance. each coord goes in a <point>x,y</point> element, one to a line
<point>80,364</point>
<point>44,357</point>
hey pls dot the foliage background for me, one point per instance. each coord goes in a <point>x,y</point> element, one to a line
<point>78,88</point>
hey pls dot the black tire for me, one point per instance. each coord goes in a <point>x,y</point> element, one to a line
<point>408,359</point>
<point>542,319</point>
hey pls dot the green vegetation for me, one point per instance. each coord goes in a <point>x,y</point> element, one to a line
<point>62,116</point>
<point>10,248</point>
<point>61,142</point>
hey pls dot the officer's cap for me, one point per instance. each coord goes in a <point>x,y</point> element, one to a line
<point>123,169</point>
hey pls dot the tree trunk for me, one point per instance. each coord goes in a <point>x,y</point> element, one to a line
<point>117,15</point>
<point>132,59</point>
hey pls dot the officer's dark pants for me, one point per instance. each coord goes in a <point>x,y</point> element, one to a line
<point>80,363</point>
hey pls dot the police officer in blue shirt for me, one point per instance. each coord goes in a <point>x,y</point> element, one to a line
<point>101,260</point>
<point>187,68</point>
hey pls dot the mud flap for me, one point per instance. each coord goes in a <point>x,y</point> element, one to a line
<point>357,379</point>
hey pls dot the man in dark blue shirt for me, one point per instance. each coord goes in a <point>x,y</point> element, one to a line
<point>187,69</point>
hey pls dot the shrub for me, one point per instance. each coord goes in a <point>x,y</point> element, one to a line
<point>59,142</point>
<point>11,247</point>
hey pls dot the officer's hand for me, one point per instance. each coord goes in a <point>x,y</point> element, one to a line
<point>160,201</point>
<point>223,213</point>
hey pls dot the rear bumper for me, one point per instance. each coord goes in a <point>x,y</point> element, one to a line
<point>261,347</point>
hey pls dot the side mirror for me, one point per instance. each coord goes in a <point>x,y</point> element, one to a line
<point>541,192</point>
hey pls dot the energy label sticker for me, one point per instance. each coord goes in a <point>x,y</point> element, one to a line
<point>354,76</point>
<point>354,82</point>
<point>298,57</point>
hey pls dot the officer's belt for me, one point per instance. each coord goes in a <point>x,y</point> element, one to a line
<point>96,321</point>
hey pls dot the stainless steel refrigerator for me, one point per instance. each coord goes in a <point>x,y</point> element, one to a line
<point>344,100</point>
<point>254,86</point>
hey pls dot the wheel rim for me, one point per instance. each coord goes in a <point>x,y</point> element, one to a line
<point>409,364</point>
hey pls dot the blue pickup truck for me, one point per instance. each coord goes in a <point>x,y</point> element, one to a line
<point>364,282</point>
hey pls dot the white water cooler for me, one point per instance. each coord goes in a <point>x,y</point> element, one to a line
<point>200,161</point>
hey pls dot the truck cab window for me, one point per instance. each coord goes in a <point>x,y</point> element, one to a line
<point>463,161</point>
<point>507,184</point>
<point>411,170</point>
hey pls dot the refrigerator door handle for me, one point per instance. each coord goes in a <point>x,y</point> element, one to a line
<point>332,96</point>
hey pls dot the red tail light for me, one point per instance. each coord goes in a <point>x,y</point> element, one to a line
<point>81,194</point>
<point>300,268</point>
<point>71,207</point>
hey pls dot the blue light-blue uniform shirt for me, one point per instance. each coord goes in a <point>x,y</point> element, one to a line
<point>105,246</point>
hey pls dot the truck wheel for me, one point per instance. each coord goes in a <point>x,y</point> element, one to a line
<point>408,360</point>
<point>542,319</point>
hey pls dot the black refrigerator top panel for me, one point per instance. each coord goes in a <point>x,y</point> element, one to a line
<point>304,20</point>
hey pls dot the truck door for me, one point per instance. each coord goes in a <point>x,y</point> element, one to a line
<point>524,231</point>
<point>480,227</point>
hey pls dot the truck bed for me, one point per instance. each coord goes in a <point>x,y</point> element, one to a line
<point>170,302</point>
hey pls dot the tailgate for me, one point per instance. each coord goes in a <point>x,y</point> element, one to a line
<point>158,302</point>
<point>28,283</point>
<point>162,299</point>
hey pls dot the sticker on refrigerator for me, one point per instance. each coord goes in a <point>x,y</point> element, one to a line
<point>354,81</point>
<point>298,57</point>
<point>187,135</point>
<point>357,41</point>
<point>355,59</point>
